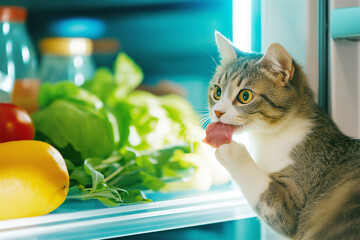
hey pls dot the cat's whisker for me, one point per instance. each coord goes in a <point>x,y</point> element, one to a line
<point>202,111</point>
<point>212,58</point>
<point>203,115</point>
<point>212,72</point>
<point>205,119</point>
<point>202,119</point>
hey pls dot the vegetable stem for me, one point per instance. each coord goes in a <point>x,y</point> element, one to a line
<point>113,174</point>
<point>112,159</point>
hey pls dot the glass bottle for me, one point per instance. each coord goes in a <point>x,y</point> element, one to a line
<point>18,64</point>
<point>66,59</point>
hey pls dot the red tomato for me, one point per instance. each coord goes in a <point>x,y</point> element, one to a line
<point>15,123</point>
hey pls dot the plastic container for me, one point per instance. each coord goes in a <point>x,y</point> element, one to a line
<point>18,65</point>
<point>66,59</point>
<point>104,49</point>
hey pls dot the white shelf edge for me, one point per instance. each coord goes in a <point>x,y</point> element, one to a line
<point>133,219</point>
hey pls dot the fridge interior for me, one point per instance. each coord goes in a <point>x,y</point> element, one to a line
<point>173,41</point>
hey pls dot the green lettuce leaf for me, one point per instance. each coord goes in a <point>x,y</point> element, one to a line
<point>121,111</point>
<point>171,164</point>
<point>182,113</point>
<point>107,197</point>
<point>102,84</point>
<point>108,86</point>
<point>97,177</point>
<point>89,132</point>
<point>151,128</point>
<point>97,188</point>
<point>67,91</point>
<point>178,108</point>
<point>128,75</point>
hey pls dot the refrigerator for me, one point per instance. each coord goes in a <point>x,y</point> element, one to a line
<point>173,42</point>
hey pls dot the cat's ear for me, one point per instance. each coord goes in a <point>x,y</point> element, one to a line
<point>226,49</point>
<point>280,63</point>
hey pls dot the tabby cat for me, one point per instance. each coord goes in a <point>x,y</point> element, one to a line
<point>303,176</point>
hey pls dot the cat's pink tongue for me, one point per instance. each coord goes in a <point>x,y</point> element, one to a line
<point>218,134</point>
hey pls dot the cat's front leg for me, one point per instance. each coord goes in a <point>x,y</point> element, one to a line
<point>251,179</point>
<point>266,195</point>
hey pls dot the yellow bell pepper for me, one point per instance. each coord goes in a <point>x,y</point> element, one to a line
<point>33,179</point>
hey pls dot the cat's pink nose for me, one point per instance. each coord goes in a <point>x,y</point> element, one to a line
<point>218,113</point>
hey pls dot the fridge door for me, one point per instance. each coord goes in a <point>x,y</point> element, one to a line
<point>345,65</point>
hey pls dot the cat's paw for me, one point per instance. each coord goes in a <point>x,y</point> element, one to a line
<point>229,155</point>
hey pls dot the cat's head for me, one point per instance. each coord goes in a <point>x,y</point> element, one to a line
<point>253,90</point>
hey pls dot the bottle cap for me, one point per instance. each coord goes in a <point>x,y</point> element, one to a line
<point>12,14</point>
<point>66,46</point>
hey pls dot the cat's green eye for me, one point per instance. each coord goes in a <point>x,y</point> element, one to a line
<point>245,96</point>
<point>217,93</point>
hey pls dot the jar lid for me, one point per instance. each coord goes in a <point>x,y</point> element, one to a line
<point>78,27</point>
<point>12,14</point>
<point>66,46</point>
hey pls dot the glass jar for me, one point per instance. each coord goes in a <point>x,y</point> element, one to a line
<point>66,59</point>
<point>18,64</point>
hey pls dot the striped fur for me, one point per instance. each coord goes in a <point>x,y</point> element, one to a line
<point>303,175</point>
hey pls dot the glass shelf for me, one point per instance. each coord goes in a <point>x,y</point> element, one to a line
<point>84,220</point>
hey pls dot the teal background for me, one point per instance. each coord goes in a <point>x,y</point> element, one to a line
<point>170,39</point>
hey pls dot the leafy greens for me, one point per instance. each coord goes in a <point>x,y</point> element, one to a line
<point>114,138</point>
